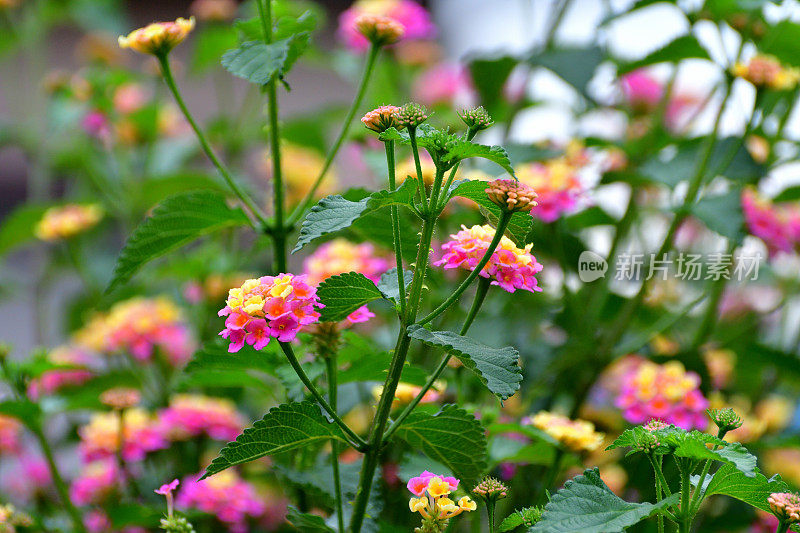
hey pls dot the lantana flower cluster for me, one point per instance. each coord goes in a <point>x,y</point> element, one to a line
<point>511,267</point>
<point>406,392</point>
<point>158,37</point>
<point>100,438</point>
<point>10,429</point>
<point>270,306</point>
<point>66,221</point>
<point>666,392</point>
<point>577,435</point>
<point>414,20</point>
<point>767,71</point>
<point>432,500</point>
<point>643,93</point>
<point>97,481</point>
<point>139,326</point>
<point>339,256</point>
<point>557,184</point>
<point>786,506</point>
<point>778,225</point>
<point>192,415</point>
<point>225,495</point>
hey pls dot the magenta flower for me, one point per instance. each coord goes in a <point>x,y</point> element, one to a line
<point>167,488</point>
<point>414,18</point>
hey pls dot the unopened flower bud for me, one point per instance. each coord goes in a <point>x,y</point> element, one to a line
<point>786,506</point>
<point>380,30</point>
<point>382,118</point>
<point>476,118</point>
<point>412,115</point>
<point>121,398</point>
<point>725,419</point>
<point>158,38</point>
<point>490,489</point>
<point>511,196</point>
<point>654,424</point>
<point>176,524</point>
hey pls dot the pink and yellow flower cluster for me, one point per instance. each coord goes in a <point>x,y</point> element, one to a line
<point>68,220</point>
<point>141,434</point>
<point>78,363</point>
<point>778,225</point>
<point>339,256</point>
<point>139,326</point>
<point>192,415</point>
<point>767,71</point>
<point>10,429</point>
<point>432,499</point>
<point>556,183</point>
<point>577,435</point>
<point>267,307</point>
<point>159,37</point>
<point>511,267</point>
<point>225,495</point>
<point>411,17</point>
<point>96,482</point>
<point>665,392</point>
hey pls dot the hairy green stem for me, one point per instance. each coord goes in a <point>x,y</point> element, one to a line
<point>398,249</point>
<point>783,527</point>
<point>383,410</point>
<point>685,517</point>
<point>471,133</point>
<point>480,296</point>
<point>659,490</point>
<point>423,194</point>
<point>279,230</point>
<point>362,89</point>
<point>357,442</point>
<point>166,73</point>
<point>332,368</point>
<point>502,224</point>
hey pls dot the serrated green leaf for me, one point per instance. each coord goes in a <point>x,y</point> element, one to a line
<point>451,437</point>
<point>511,522</point>
<point>587,505</point>
<point>520,225</point>
<point>497,368</point>
<point>215,356</point>
<point>465,149</point>
<point>334,213</point>
<point>176,221</point>
<point>527,516</point>
<point>695,446</point>
<point>388,283</point>
<point>260,63</point>
<point>753,490</point>
<point>684,47</point>
<point>344,293</point>
<point>283,428</point>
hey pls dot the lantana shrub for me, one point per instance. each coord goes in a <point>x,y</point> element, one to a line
<point>400,313</point>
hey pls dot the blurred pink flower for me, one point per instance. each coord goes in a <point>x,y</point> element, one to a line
<point>225,495</point>
<point>192,415</point>
<point>97,481</point>
<point>414,18</point>
<point>445,83</point>
<point>778,225</point>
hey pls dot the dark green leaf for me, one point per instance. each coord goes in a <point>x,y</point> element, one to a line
<point>723,214</point>
<point>344,293</point>
<point>215,356</point>
<point>285,427</point>
<point>25,411</point>
<point>475,190</point>
<point>684,47</point>
<point>576,66</point>
<point>527,517</point>
<point>497,368</point>
<point>306,522</point>
<point>752,490</point>
<point>587,505</point>
<point>334,213</point>
<point>489,77</point>
<point>465,149</point>
<point>176,221</point>
<point>388,283</point>
<point>789,194</point>
<point>19,226</point>
<point>451,437</point>
<point>781,41</point>
<point>259,63</point>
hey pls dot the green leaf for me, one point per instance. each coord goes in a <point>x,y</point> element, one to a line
<point>694,446</point>
<point>684,47</point>
<point>176,221</point>
<point>344,293</point>
<point>497,368</point>
<point>19,226</point>
<point>475,190</point>
<point>722,214</point>
<point>25,411</point>
<point>576,66</point>
<point>451,437</point>
<point>210,44</point>
<point>752,490</point>
<point>789,194</point>
<point>307,522</point>
<point>283,428</point>
<point>388,283</point>
<point>587,505</point>
<point>334,213</point>
<point>465,149</point>
<point>781,41</point>
<point>215,356</point>
<point>527,517</point>
<point>489,78</point>
<point>260,63</point>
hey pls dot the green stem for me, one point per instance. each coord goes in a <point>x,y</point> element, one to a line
<point>471,133</point>
<point>79,264</point>
<point>332,369</point>
<point>383,410</point>
<point>659,491</point>
<point>398,249</point>
<point>362,89</point>
<point>280,230</point>
<point>123,468</point>
<point>423,194</point>
<point>480,296</point>
<point>166,72</point>
<point>58,480</point>
<point>783,527</point>
<point>552,472</point>
<point>490,507</point>
<point>685,523</point>
<point>502,224</point>
<point>698,491</point>
<point>357,442</point>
